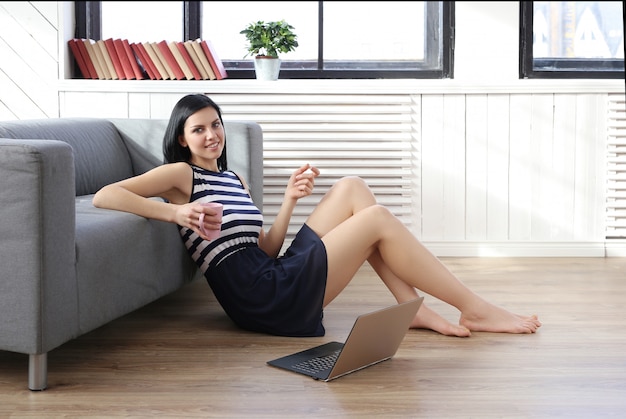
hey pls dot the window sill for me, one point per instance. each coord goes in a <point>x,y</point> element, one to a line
<point>380,86</point>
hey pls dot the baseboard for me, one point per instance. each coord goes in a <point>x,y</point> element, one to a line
<point>616,248</point>
<point>524,249</point>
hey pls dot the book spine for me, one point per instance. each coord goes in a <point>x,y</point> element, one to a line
<point>203,58</point>
<point>78,57</point>
<point>100,58</point>
<point>143,62</point>
<point>184,65</point>
<point>155,71</point>
<point>164,63</point>
<point>121,53</point>
<point>93,58</point>
<point>214,59</point>
<point>80,43</point>
<point>194,57</point>
<point>132,59</point>
<point>156,61</point>
<point>115,59</point>
<point>171,61</point>
<point>107,59</point>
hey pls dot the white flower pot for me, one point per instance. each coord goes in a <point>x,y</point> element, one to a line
<point>266,68</point>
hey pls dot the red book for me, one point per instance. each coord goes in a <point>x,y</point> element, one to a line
<point>132,59</point>
<point>188,60</point>
<point>121,53</point>
<point>80,60</point>
<point>143,60</point>
<point>141,46</point>
<point>216,63</point>
<point>171,60</point>
<point>90,66</point>
<point>108,43</point>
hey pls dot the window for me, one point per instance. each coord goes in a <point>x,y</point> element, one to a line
<point>572,39</point>
<point>337,39</point>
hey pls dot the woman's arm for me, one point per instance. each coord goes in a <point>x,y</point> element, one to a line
<point>172,182</point>
<point>300,185</point>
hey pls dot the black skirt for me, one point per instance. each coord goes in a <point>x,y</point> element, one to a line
<point>280,296</point>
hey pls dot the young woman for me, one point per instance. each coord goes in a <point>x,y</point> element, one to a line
<point>263,291</point>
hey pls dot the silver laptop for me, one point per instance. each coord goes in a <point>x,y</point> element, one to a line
<point>375,337</point>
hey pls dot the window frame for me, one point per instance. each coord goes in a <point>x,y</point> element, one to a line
<point>88,25</point>
<point>563,68</point>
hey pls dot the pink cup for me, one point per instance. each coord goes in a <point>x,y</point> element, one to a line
<point>211,234</point>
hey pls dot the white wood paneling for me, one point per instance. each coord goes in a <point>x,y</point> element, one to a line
<point>29,67</point>
<point>497,156</point>
<point>564,157</point>
<point>476,168</point>
<point>520,170</point>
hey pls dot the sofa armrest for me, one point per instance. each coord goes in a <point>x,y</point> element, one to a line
<point>38,289</point>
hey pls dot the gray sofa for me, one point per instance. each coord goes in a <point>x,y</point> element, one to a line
<point>66,267</point>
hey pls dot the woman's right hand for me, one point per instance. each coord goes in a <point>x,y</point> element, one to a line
<point>188,215</point>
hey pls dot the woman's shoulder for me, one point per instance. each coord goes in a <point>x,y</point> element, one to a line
<point>174,168</point>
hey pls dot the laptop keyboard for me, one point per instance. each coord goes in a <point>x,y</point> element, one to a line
<point>322,363</point>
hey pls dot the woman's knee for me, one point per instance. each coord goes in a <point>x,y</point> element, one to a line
<point>352,184</point>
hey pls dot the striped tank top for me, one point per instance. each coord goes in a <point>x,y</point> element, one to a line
<point>241,222</point>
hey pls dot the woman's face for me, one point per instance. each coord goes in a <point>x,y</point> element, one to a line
<point>203,133</point>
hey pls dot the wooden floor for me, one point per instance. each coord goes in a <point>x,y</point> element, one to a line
<point>182,358</point>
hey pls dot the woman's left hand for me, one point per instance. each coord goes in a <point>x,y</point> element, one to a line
<point>301,182</point>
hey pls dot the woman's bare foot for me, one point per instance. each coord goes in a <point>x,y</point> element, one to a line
<point>490,318</point>
<point>428,319</point>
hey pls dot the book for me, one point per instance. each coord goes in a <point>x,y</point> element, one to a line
<point>78,57</point>
<point>115,59</point>
<point>90,66</point>
<point>164,63</point>
<point>107,59</point>
<point>142,49</point>
<point>214,59</point>
<point>194,57</point>
<point>100,58</point>
<point>133,60</point>
<point>93,58</point>
<point>182,56</point>
<point>171,60</point>
<point>203,58</point>
<point>143,61</point>
<point>121,53</point>
<point>163,74</point>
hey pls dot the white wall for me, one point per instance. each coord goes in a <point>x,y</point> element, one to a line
<point>497,165</point>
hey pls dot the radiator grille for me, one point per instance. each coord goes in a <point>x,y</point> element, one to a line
<point>616,168</point>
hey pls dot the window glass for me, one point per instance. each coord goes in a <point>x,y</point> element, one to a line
<point>578,29</point>
<point>379,31</point>
<point>142,22</point>
<point>231,45</point>
<point>574,36</point>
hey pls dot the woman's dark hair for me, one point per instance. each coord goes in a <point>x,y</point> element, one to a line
<point>173,152</point>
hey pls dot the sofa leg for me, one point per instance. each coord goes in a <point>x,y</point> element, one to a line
<point>38,371</point>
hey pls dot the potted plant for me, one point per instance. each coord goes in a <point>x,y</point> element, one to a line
<point>265,41</point>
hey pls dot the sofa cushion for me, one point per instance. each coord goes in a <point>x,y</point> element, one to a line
<point>100,154</point>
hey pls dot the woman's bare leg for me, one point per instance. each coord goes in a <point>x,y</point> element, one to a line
<point>425,318</point>
<point>354,228</point>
